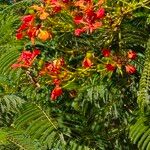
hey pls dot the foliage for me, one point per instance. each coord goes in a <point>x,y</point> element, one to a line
<point>140,132</point>
<point>95,107</point>
<point>144,97</point>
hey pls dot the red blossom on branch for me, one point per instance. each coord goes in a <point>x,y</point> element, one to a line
<point>89,18</point>
<point>19,36</point>
<point>53,68</point>
<point>78,32</point>
<point>87,63</point>
<point>65,1</point>
<point>26,22</point>
<point>100,13</point>
<point>27,28</point>
<point>78,19</point>
<point>130,69</point>
<point>26,59</point>
<point>57,91</point>
<point>106,52</point>
<point>110,67</point>
<point>132,54</point>
<point>27,19</point>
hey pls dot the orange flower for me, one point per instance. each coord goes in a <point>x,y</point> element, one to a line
<point>43,35</point>
<point>130,69</point>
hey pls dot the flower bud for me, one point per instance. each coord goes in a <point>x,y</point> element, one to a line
<point>110,67</point>
<point>57,91</point>
<point>87,63</point>
<point>130,69</point>
<point>78,32</point>
<point>19,36</point>
<point>100,13</point>
<point>43,35</point>
<point>131,54</point>
<point>106,52</point>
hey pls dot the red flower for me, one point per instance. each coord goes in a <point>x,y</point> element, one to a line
<point>131,54</point>
<point>106,52</point>
<point>92,27</point>
<point>53,68</point>
<point>65,1</point>
<point>19,35</point>
<point>90,16</point>
<point>57,91</point>
<point>110,67</point>
<point>100,13</point>
<point>32,32</point>
<point>28,28</point>
<point>78,19</point>
<point>57,9</point>
<point>36,52</point>
<point>22,27</point>
<point>26,59</point>
<point>27,18</point>
<point>130,69</point>
<point>56,81</point>
<point>87,63</point>
<point>78,32</point>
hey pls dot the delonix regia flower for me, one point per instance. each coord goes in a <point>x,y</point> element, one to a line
<point>57,91</point>
<point>87,63</point>
<point>106,52</point>
<point>26,59</point>
<point>132,54</point>
<point>130,69</point>
<point>110,67</point>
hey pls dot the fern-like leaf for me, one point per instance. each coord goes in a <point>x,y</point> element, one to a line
<point>9,106</point>
<point>144,90</point>
<point>140,133</point>
<point>39,125</point>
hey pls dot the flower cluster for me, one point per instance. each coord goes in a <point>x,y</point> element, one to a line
<point>113,61</point>
<point>57,5</point>
<point>26,59</point>
<point>86,15</point>
<point>87,18</point>
<point>54,69</point>
<point>130,68</point>
<point>30,29</point>
<point>119,62</point>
